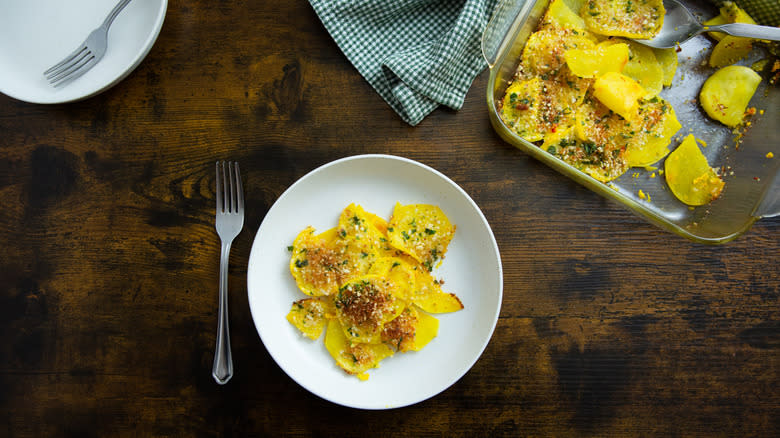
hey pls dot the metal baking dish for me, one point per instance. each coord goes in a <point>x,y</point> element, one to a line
<point>752,178</point>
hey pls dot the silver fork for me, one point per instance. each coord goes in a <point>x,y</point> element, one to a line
<point>86,55</point>
<point>229,222</point>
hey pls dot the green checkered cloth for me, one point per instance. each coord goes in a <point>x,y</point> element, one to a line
<point>417,54</point>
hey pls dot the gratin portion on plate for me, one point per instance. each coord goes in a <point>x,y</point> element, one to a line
<point>372,283</point>
<point>472,270</point>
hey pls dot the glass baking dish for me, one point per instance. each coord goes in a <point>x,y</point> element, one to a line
<point>749,169</point>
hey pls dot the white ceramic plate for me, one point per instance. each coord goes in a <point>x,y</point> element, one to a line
<point>471,270</point>
<point>36,34</point>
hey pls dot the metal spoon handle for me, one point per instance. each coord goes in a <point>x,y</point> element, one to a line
<point>748,30</point>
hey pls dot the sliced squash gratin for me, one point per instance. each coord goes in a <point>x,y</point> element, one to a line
<point>370,283</point>
<point>588,95</point>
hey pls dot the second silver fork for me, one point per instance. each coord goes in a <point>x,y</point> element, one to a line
<point>86,55</point>
<point>229,222</point>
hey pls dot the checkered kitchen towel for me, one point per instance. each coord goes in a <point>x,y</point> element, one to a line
<point>417,54</point>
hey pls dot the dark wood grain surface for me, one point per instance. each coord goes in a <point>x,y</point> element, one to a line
<point>108,273</point>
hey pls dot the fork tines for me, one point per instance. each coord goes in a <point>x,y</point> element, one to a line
<point>229,190</point>
<point>73,66</point>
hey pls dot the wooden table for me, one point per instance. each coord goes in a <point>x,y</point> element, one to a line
<point>108,277</point>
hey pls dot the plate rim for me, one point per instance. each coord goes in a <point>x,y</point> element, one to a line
<point>493,245</point>
<point>136,60</point>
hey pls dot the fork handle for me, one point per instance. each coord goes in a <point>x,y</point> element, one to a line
<point>114,12</point>
<point>223,358</point>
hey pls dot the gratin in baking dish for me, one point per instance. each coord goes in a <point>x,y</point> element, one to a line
<point>749,161</point>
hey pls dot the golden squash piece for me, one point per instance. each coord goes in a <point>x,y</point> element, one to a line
<point>628,18</point>
<point>689,176</point>
<point>542,106</point>
<point>321,263</point>
<point>429,296</point>
<point>560,97</point>
<point>353,358</point>
<point>725,95</point>
<point>310,315</point>
<point>668,60</point>
<point>619,93</point>
<point>427,329</point>
<point>560,15</point>
<point>544,49</point>
<point>398,270</point>
<point>734,14</point>
<point>604,161</point>
<point>520,109</point>
<point>651,132</point>
<point>590,63</point>
<point>643,67</point>
<point>729,50</point>
<point>412,330</point>
<point>379,223</point>
<point>364,305</point>
<point>422,231</point>
<point>399,334</point>
<point>364,231</point>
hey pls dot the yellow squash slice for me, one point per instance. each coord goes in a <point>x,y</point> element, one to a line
<point>422,231</point>
<point>353,358</point>
<point>651,132</point>
<point>668,60</point>
<point>320,263</point>
<point>643,67</point>
<point>725,95</point>
<point>627,18</point>
<point>520,109</point>
<point>310,315</point>
<point>729,50</point>
<point>429,296</point>
<point>411,331</point>
<point>591,146</point>
<point>689,175</point>
<point>365,231</point>
<point>543,51</point>
<point>364,305</point>
<point>560,15</point>
<point>399,271</point>
<point>591,63</point>
<point>619,93</point>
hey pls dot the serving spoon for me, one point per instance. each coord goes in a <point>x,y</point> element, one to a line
<point>680,25</point>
